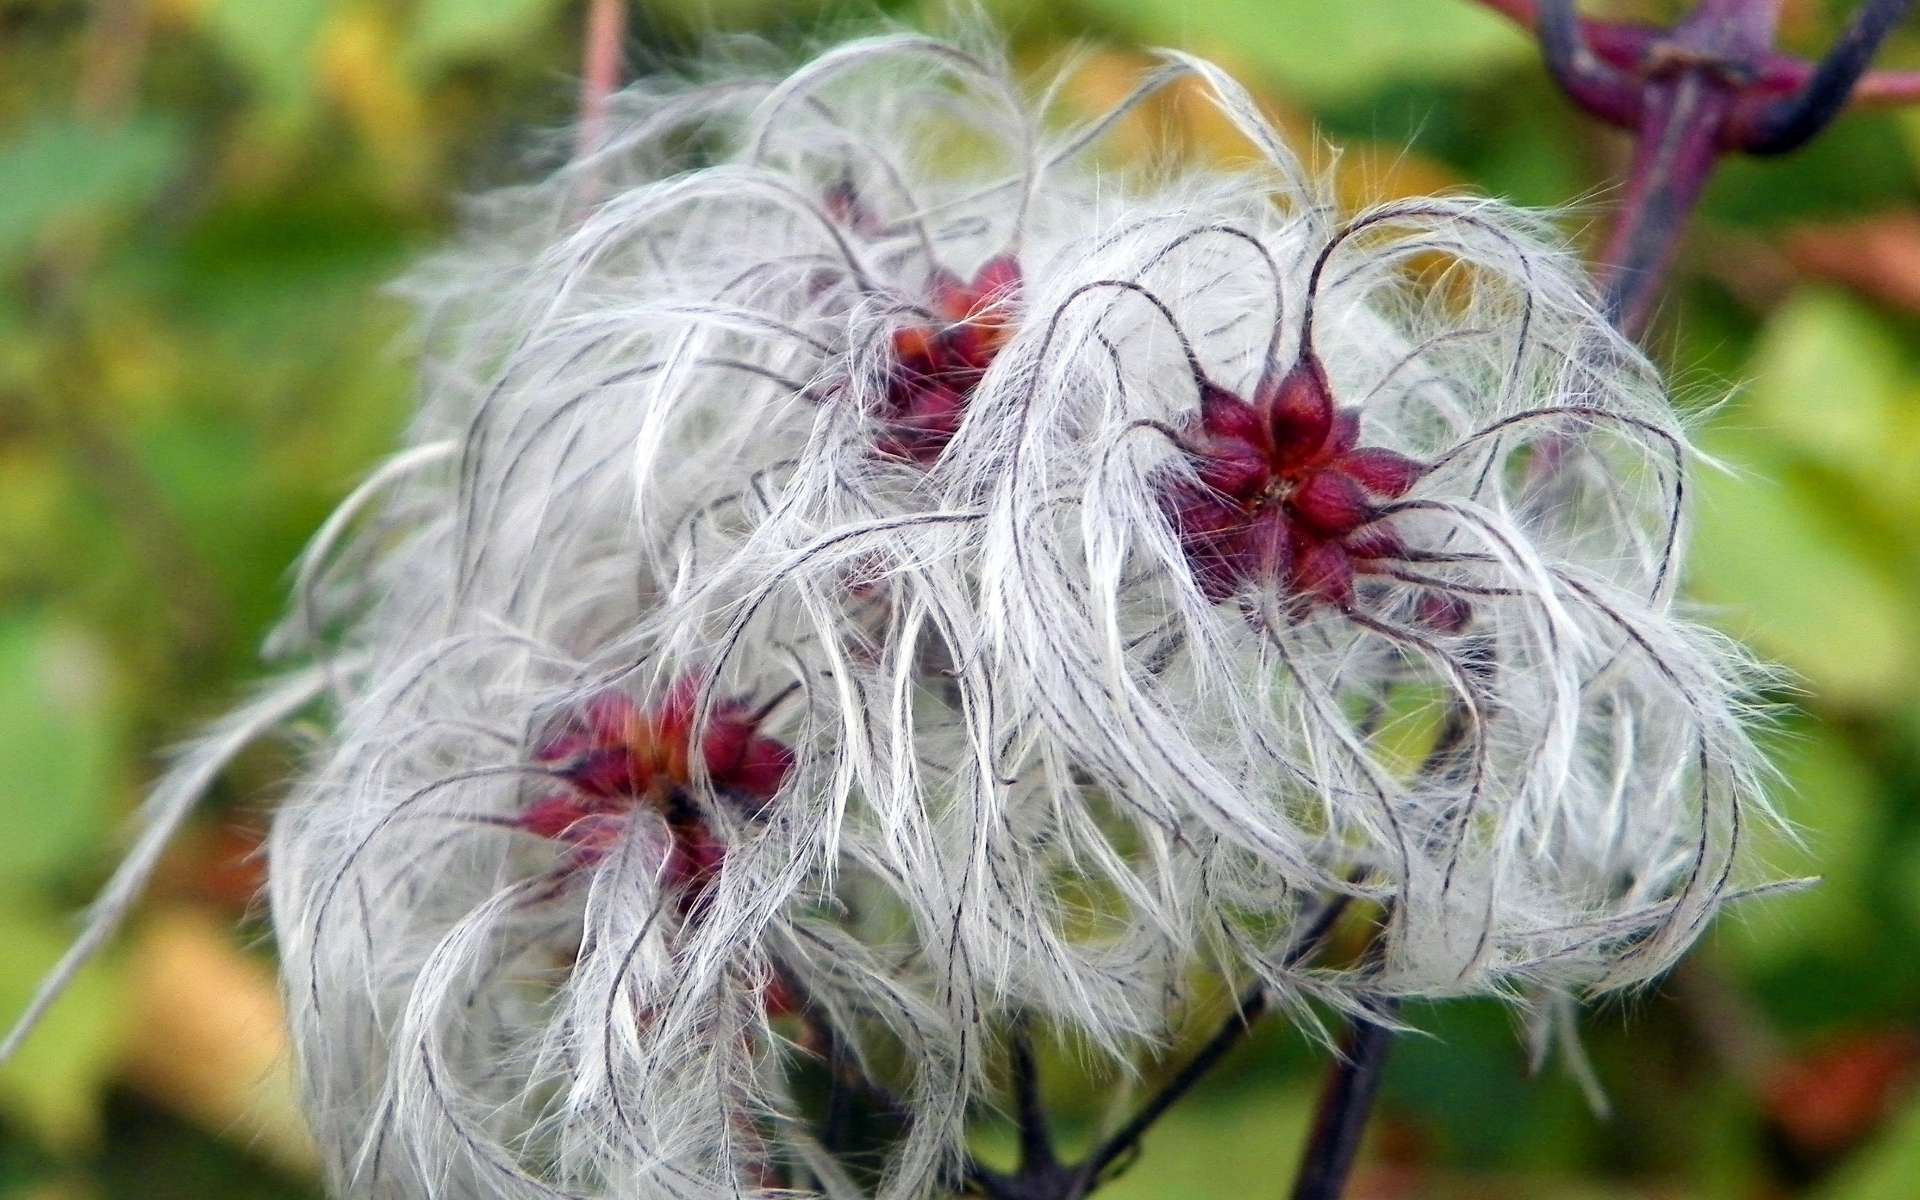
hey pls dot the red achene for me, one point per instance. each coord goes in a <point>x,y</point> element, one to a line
<point>1284,494</point>
<point>617,758</point>
<point>938,364</point>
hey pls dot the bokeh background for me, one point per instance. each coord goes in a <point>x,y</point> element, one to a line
<point>200,204</point>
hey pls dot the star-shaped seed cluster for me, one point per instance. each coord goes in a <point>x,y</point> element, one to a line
<point>1283,494</point>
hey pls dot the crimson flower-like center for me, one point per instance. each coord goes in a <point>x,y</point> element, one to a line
<point>615,759</point>
<point>1283,494</point>
<point>938,364</point>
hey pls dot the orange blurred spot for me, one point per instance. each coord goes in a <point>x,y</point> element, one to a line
<point>211,1039</point>
<point>1183,123</point>
<point>1877,256</point>
<point>1828,1099</point>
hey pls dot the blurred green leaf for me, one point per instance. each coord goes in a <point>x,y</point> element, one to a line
<point>278,44</point>
<point>1794,571</point>
<point>35,522</point>
<point>1832,802</point>
<point>449,30</point>
<point>1886,1170</point>
<point>263,274</point>
<point>57,746</point>
<point>1807,546</point>
<point>1859,164</point>
<point>1321,52</point>
<point>60,169</point>
<point>1465,1079</point>
<point>1196,1147</point>
<point>1199,1145</point>
<point>55,1082</point>
<point>1827,377</point>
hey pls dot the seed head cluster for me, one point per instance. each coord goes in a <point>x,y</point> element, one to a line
<point>871,566</point>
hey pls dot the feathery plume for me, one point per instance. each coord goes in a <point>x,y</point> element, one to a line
<point>864,573</point>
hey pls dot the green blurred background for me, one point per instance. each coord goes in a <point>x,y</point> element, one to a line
<point>200,203</point>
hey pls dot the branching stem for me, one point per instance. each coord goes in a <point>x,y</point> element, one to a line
<point>1712,85</point>
<point>1041,1176</point>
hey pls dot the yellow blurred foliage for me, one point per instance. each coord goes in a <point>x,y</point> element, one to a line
<point>1183,122</point>
<point>360,71</point>
<point>212,1044</point>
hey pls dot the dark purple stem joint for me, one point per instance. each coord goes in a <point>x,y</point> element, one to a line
<point>1690,94</point>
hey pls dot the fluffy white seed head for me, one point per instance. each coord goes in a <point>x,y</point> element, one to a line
<point>867,568</point>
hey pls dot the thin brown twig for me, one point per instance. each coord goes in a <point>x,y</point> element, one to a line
<point>1042,1177</point>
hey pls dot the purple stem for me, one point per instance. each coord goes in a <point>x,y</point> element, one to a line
<point>1675,153</point>
<point>1592,82</point>
<point>1707,87</point>
<point>1789,124</point>
<point>1692,85</point>
<point>1340,1121</point>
